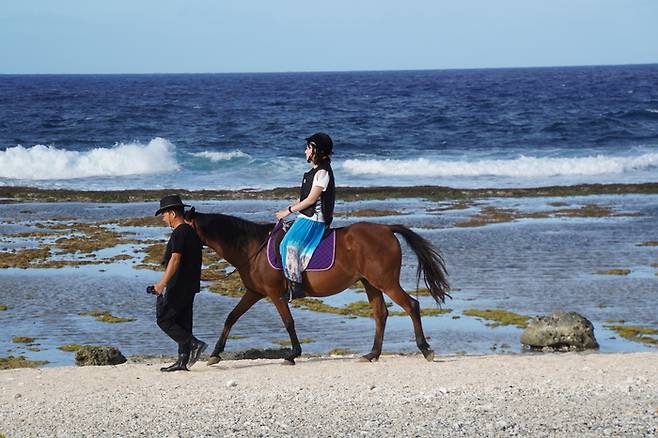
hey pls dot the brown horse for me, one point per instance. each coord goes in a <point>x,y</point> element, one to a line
<point>364,251</point>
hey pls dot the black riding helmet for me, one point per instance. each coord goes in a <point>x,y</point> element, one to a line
<point>322,144</point>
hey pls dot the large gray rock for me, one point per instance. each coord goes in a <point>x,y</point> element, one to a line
<point>561,331</point>
<point>90,355</point>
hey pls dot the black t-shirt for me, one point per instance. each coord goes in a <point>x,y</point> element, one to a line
<point>185,241</point>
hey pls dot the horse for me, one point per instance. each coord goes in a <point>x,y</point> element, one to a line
<point>365,251</point>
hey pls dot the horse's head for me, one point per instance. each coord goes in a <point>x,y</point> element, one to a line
<point>190,218</point>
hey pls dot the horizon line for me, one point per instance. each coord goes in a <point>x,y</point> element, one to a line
<point>335,71</point>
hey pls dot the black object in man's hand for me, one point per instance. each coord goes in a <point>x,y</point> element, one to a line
<point>151,290</point>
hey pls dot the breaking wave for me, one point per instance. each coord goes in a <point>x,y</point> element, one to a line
<point>221,156</point>
<point>519,167</point>
<point>50,163</point>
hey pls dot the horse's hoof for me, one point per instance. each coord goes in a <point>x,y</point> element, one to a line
<point>212,360</point>
<point>429,355</point>
<point>288,362</point>
<point>368,358</point>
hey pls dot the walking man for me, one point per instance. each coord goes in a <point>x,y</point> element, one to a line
<point>179,284</point>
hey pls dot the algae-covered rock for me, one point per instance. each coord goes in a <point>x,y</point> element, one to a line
<point>11,362</point>
<point>560,331</point>
<point>90,355</point>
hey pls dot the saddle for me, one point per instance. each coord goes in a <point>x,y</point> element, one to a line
<point>322,259</point>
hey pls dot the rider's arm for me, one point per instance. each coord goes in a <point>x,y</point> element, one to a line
<point>312,197</point>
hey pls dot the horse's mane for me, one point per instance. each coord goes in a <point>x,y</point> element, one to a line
<point>233,231</point>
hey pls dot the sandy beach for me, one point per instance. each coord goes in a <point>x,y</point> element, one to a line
<point>497,395</point>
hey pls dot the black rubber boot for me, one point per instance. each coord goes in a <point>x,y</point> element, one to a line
<point>295,290</point>
<point>179,365</point>
<point>196,348</point>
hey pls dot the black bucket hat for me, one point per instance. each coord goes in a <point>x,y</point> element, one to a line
<point>322,144</point>
<point>170,201</point>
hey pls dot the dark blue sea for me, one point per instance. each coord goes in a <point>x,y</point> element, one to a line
<point>461,128</point>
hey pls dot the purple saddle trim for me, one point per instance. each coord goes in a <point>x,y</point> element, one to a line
<point>322,259</point>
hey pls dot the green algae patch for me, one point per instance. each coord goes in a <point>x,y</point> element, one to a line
<point>494,215</point>
<point>340,352</point>
<point>23,259</point>
<point>237,337</point>
<point>434,311</point>
<point>489,215</point>
<point>287,341</point>
<point>120,257</point>
<point>357,309</point>
<point>214,271</point>
<point>70,347</point>
<point>22,340</point>
<point>499,316</point>
<point>3,308</point>
<point>90,238</point>
<point>459,205</point>
<point>650,243</point>
<point>229,286</point>
<point>154,254</point>
<point>615,272</point>
<point>645,335</point>
<point>146,221</point>
<point>12,362</point>
<point>369,212</point>
<point>103,316</point>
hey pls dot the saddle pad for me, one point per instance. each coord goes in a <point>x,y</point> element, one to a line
<point>321,260</point>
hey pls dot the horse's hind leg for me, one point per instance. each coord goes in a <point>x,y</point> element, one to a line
<point>412,307</point>
<point>289,323</point>
<point>380,314</point>
<point>248,299</point>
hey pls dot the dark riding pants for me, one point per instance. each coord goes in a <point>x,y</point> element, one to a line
<point>174,317</point>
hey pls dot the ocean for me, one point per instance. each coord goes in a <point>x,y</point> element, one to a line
<point>459,128</point>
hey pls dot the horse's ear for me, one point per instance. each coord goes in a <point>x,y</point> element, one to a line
<point>190,214</point>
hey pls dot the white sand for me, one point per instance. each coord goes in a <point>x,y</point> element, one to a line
<point>539,395</point>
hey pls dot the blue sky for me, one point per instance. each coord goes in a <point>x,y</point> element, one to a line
<point>165,36</point>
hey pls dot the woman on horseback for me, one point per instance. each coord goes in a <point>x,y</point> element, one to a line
<point>317,196</point>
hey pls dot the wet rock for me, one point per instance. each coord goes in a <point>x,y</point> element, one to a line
<point>256,353</point>
<point>560,331</point>
<point>88,355</point>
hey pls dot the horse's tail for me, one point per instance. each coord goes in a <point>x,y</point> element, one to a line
<point>430,263</point>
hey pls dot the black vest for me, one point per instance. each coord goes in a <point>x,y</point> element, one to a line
<point>327,198</point>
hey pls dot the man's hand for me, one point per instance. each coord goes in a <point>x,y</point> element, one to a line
<point>159,288</point>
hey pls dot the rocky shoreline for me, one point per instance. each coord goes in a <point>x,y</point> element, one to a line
<point>566,394</point>
<point>11,194</point>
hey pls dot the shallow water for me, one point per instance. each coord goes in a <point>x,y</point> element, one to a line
<point>530,266</point>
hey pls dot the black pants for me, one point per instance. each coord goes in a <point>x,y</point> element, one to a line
<point>174,316</point>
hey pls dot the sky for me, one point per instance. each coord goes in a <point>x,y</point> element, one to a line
<point>208,36</point>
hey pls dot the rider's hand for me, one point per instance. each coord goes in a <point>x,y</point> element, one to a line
<point>281,214</point>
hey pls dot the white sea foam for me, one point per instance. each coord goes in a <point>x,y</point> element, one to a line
<point>521,167</point>
<point>51,163</point>
<point>221,156</point>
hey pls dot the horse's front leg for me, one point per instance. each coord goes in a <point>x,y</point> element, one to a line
<point>248,299</point>
<point>284,311</point>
